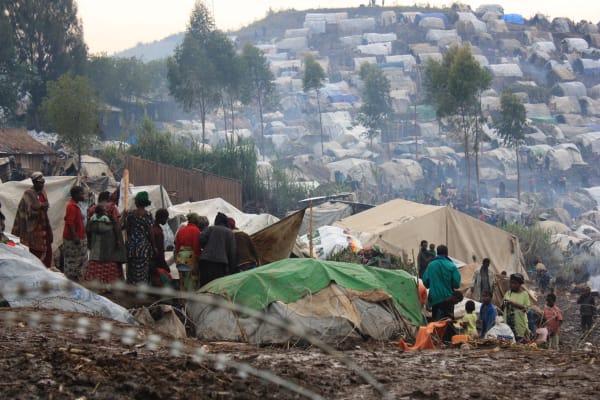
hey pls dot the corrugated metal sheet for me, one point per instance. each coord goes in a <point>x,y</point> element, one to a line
<point>184,184</point>
<point>18,141</point>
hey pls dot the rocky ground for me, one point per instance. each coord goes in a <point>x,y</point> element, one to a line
<point>39,359</point>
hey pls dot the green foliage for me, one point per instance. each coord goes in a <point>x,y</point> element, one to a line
<point>376,106</point>
<point>71,109</point>
<point>282,192</point>
<point>375,258</point>
<point>454,86</point>
<point>115,79</point>
<point>314,79</point>
<point>536,243</point>
<point>314,75</point>
<point>47,38</point>
<point>234,159</point>
<point>511,126</point>
<point>512,122</point>
<point>192,73</point>
<point>257,85</point>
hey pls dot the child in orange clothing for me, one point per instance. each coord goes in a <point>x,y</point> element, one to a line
<point>554,318</point>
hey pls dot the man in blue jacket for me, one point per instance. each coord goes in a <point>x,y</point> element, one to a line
<point>441,278</point>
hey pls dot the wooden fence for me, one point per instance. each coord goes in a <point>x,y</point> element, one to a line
<point>184,184</point>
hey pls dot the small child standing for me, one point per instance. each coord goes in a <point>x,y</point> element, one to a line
<point>100,215</point>
<point>554,318</point>
<point>487,313</point>
<point>469,321</point>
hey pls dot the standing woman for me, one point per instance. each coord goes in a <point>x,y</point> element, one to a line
<point>31,223</point>
<point>107,251</point>
<point>138,224</point>
<point>187,252</point>
<point>218,257</point>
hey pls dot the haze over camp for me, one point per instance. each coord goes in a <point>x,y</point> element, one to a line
<point>334,199</point>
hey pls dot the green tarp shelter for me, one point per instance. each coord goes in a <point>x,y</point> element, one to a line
<point>332,301</point>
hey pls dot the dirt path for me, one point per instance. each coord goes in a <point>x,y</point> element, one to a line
<point>42,362</point>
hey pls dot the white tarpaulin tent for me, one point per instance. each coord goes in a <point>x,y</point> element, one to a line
<point>249,223</point>
<point>19,268</point>
<point>399,225</point>
<point>58,190</point>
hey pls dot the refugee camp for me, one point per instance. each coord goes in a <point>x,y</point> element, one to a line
<point>282,200</point>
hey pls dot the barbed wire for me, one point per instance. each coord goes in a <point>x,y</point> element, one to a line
<point>198,353</point>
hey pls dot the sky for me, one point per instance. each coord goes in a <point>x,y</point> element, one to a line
<point>113,25</point>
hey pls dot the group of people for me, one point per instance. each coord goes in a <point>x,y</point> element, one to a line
<point>204,253</point>
<point>441,276</point>
<point>93,247</point>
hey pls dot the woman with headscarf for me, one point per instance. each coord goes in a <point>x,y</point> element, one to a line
<point>515,307</point>
<point>138,224</point>
<point>107,251</point>
<point>187,252</point>
<point>218,256</point>
<point>31,223</point>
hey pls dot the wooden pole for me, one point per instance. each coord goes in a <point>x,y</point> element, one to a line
<point>310,229</point>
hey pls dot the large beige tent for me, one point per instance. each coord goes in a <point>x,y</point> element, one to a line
<point>399,225</point>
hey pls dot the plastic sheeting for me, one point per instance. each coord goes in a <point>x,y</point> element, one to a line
<point>19,268</point>
<point>325,214</point>
<point>398,226</point>
<point>57,188</point>
<point>249,223</point>
<point>332,314</point>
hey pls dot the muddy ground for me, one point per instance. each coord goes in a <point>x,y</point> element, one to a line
<point>46,363</point>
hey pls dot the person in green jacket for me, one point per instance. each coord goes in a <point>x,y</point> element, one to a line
<point>441,278</point>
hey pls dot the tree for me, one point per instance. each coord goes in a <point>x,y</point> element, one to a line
<point>228,73</point>
<point>48,40</point>
<point>511,125</point>
<point>314,79</point>
<point>258,83</point>
<point>12,74</point>
<point>71,109</point>
<point>453,86</point>
<point>192,74</point>
<point>376,105</point>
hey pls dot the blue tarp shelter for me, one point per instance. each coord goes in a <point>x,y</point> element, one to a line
<point>514,19</point>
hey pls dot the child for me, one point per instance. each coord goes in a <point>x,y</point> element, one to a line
<point>586,308</point>
<point>554,318</point>
<point>432,253</point>
<point>469,321</point>
<point>487,312</point>
<point>100,215</point>
<point>515,306</point>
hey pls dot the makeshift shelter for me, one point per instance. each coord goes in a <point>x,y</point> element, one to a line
<point>30,153</point>
<point>93,167</point>
<point>325,214</point>
<point>273,238</point>
<point>19,268</point>
<point>329,300</point>
<point>399,225</point>
<point>57,188</point>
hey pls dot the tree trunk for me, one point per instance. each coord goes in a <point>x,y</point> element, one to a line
<point>232,115</point>
<point>476,148</point>
<point>518,175</point>
<point>224,105</point>
<point>203,121</point>
<point>262,128</point>
<point>467,161</point>
<point>320,120</point>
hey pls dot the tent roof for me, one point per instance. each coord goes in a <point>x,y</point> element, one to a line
<point>399,225</point>
<point>292,279</point>
<point>18,141</point>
